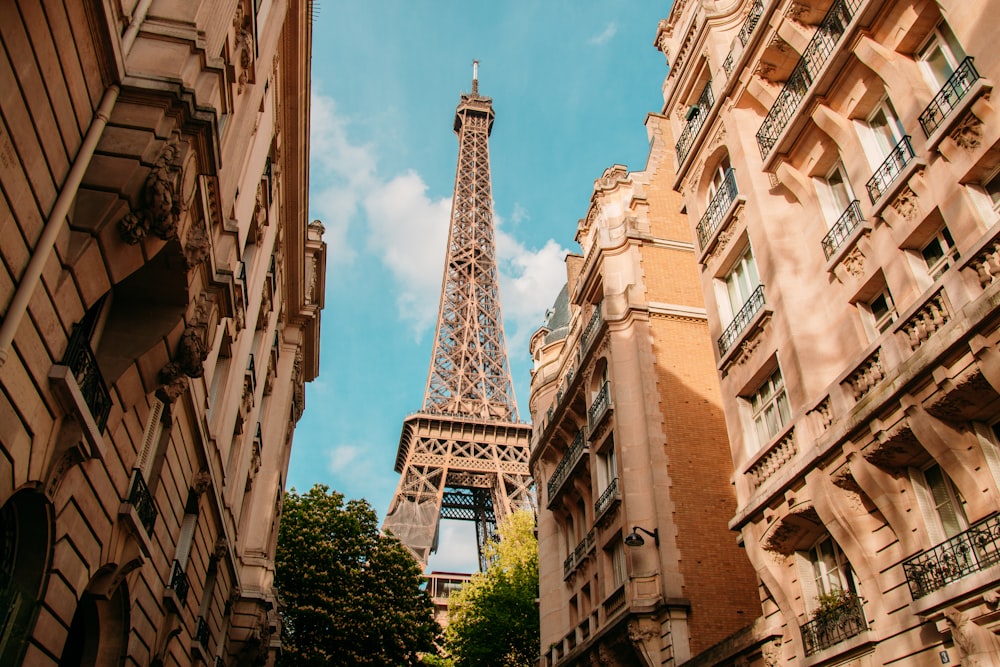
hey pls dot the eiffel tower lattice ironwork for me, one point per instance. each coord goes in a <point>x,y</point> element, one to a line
<point>464,455</point>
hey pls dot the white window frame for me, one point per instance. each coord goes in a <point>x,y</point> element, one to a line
<point>875,324</point>
<point>729,285</point>
<point>619,570</point>
<point>769,399</point>
<point>943,40</point>
<point>940,502</point>
<point>828,193</point>
<point>949,253</point>
<point>873,141</point>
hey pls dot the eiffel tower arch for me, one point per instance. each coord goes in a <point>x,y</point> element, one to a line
<point>464,455</point>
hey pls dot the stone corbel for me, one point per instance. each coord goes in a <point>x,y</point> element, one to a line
<point>956,450</point>
<point>989,360</point>
<point>886,492</point>
<point>886,64</point>
<point>796,182</point>
<point>837,127</point>
<point>160,204</point>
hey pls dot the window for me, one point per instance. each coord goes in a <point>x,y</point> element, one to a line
<point>618,573</point>
<point>839,189</point>
<point>881,312</point>
<point>885,129</point>
<point>741,282</point>
<point>992,187</point>
<point>939,253</point>
<point>718,179</point>
<point>940,56</point>
<point>938,494</point>
<point>830,570</point>
<point>769,408</point>
<point>607,470</point>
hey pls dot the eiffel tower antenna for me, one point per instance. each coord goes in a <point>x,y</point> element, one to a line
<point>465,454</point>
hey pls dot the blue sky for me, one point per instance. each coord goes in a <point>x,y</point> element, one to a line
<point>571,82</point>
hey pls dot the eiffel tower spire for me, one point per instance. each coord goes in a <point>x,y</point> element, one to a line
<point>469,374</point>
<point>464,455</point>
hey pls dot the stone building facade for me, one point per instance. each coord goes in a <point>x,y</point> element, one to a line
<point>838,162</point>
<point>629,441</point>
<point>160,290</point>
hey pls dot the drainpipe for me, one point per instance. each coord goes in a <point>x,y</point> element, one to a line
<point>46,242</point>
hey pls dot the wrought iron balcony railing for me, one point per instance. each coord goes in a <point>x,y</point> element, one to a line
<point>142,501</point>
<point>834,626</point>
<point>80,359</point>
<point>742,320</point>
<point>592,326</point>
<point>815,55</point>
<point>695,121</point>
<point>201,632</point>
<point>971,551</point>
<point>900,156</point>
<point>951,93</point>
<point>607,498</point>
<point>179,582</point>
<point>600,404</point>
<point>579,554</point>
<point>569,459</point>
<point>717,208</point>
<point>842,229</point>
<point>749,24</point>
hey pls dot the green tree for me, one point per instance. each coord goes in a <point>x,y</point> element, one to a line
<point>493,619</point>
<point>351,596</point>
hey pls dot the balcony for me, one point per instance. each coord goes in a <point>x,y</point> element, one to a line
<point>615,601</point>
<point>141,500</point>
<point>951,93</point>
<point>600,405</point>
<point>177,587</point>
<point>900,156</point>
<point>607,499</point>
<point>201,633</point>
<point>740,43</point>
<point>815,55</point>
<point>579,554</point>
<point>696,116</point>
<point>753,305</point>
<point>717,209</point>
<point>80,360</point>
<point>566,465</point>
<point>843,229</point>
<point>592,326</point>
<point>834,624</point>
<point>967,553</point>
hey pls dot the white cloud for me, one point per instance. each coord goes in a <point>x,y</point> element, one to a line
<point>409,232</point>
<point>530,280</point>
<point>604,36</point>
<point>358,474</point>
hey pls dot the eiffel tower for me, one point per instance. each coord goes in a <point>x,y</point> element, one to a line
<point>464,455</point>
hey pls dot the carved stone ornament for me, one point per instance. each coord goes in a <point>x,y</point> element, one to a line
<point>771,654</point>
<point>905,204</point>
<point>244,48</point>
<point>978,646</point>
<point>196,246</point>
<point>746,349</point>
<point>174,383</point>
<point>639,631</point>
<point>854,262</point>
<point>221,548</point>
<point>159,209</point>
<point>969,132</point>
<point>796,10</point>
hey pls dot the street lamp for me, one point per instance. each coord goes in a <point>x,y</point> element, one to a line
<point>634,539</point>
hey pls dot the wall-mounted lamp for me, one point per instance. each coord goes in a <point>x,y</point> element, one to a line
<point>634,539</point>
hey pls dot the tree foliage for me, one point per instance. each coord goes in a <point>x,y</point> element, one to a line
<point>493,619</point>
<point>351,596</point>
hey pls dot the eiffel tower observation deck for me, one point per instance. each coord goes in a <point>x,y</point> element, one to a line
<point>464,455</point>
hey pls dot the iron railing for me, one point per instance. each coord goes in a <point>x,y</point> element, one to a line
<point>592,326</point>
<point>578,554</point>
<point>891,168</point>
<point>615,601</point>
<point>600,404</point>
<point>565,466</point>
<point>697,115</point>
<point>717,208</point>
<point>201,632</point>
<point>742,320</point>
<point>80,359</point>
<point>843,622</point>
<point>142,501</point>
<point>971,551</point>
<point>842,229</point>
<point>179,583</point>
<point>749,24</point>
<point>607,498</point>
<point>951,93</point>
<point>815,55</point>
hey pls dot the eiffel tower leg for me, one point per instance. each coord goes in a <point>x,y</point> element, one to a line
<point>415,510</point>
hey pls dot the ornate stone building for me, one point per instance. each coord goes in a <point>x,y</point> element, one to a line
<point>160,291</point>
<point>637,565</point>
<point>838,162</point>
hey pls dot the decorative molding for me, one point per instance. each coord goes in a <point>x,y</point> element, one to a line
<point>160,204</point>
<point>905,204</point>
<point>968,134</point>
